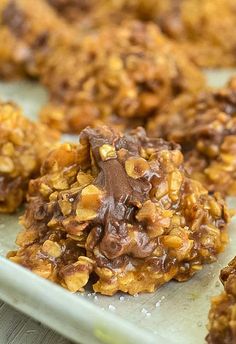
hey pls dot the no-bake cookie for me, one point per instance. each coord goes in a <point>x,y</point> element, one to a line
<point>120,211</point>
<point>125,73</point>
<point>222,315</point>
<point>205,126</point>
<point>205,29</point>
<point>23,146</point>
<point>32,32</point>
<point>111,76</point>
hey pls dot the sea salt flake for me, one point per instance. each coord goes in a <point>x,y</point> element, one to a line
<point>112,308</point>
<point>199,324</point>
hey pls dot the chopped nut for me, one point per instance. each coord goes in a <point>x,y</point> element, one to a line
<point>136,167</point>
<point>172,241</point>
<point>147,212</point>
<point>91,197</point>
<point>107,152</point>
<point>175,182</point>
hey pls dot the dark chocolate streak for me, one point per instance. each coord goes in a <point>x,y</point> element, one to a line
<point>123,195</point>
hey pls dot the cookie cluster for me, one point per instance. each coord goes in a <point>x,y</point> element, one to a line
<point>119,207</point>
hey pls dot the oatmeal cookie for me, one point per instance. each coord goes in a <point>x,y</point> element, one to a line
<point>132,76</point>
<point>222,315</point>
<point>205,126</point>
<point>111,76</point>
<point>33,32</point>
<point>205,29</point>
<point>23,146</point>
<point>119,209</point>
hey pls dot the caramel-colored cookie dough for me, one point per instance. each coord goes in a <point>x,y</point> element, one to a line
<point>32,32</point>
<point>205,126</point>
<point>110,76</point>
<point>126,72</point>
<point>222,315</point>
<point>23,146</point>
<point>205,29</point>
<point>120,209</point>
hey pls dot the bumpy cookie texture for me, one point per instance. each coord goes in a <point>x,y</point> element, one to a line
<point>112,76</point>
<point>204,28</point>
<point>132,76</point>
<point>88,15</point>
<point>93,14</point>
<point>9,66</point>
<point>32,32</point>
<point>222,315</point>
<point>121,209</point>
<point>23,146</point>
<point>205,126</point>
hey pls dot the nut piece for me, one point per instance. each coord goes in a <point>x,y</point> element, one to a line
<point>172,241</point>
<point>175,182</point>
<point>110,222</point>
<point>147,212</point>
<point>91,197</point>
<point>89,203</point>
<point>136,167</point>
<point>107,152</point>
